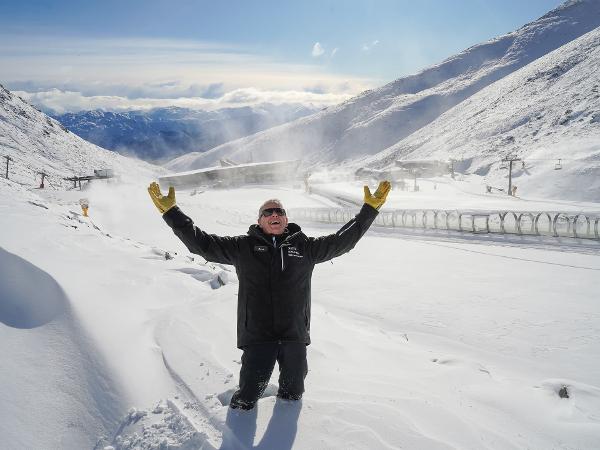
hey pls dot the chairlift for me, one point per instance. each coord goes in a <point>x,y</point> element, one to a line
<point>558,165</point>
<point>503,165</point>
<point>523,165</point>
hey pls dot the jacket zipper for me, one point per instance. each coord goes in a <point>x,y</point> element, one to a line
<point>285,243</point>
<point>281,250</point>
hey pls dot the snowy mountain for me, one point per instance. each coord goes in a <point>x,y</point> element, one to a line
<point>165,133</point>
<point>546,111</point>
<point>37,143</point>
<point>380,118</point>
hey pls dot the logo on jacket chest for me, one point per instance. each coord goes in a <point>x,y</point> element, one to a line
<point>261,248</point>
<point>293,252</point>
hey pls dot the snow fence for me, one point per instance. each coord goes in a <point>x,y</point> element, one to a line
<point>556,224</point>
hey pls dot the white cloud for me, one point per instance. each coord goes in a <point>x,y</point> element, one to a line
<point>131,73</point>
<point>317,50</point>
<point>70,101</point>
<point>369,47</point>
<point>334,51</point>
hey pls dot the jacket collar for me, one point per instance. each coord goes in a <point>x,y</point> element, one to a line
<point>291,230</point>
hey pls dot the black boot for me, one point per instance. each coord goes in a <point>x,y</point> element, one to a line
<point>288,396</point>
<point>237,403</point>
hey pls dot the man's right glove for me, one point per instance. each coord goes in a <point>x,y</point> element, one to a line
<point>163,203</point>
<point>378,198</point>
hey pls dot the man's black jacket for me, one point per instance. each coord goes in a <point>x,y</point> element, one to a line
<point>274,272</point>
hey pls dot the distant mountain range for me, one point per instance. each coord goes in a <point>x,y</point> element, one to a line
<point>165,133</point>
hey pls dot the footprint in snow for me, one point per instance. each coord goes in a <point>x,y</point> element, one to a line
<point>213,279</point>
<point>459,363</point>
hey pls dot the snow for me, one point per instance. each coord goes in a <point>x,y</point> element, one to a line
<point>465,193</point>
<point>53,377</point>
<point>474,359</point>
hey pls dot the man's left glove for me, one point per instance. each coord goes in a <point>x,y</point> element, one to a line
<point>378,198</point>
<point>163,203</point>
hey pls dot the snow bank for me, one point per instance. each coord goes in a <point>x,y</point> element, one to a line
<point>56,389</point>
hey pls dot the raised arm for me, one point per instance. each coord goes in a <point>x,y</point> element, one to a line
<point>212,247</point>
<point>325,248</point>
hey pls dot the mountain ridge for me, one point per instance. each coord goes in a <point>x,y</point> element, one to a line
<point>547,111</point>
<point>37,143</point>
<point>379,118</point>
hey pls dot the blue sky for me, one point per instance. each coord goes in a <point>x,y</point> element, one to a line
<point>113,54</point>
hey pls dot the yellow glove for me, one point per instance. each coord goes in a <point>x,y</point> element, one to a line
<point>378,198</point>
<point>162,203</point>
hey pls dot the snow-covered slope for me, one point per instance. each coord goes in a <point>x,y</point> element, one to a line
<point>546,111</point>
<point>58,390</point>
<point>37,143</point>
<point>420,341</point>
<point>379,118</point>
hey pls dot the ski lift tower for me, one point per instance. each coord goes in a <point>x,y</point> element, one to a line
<point>452,161</point>
<point>43,175</point>
<point>8,159</point>
<point>510,160</point>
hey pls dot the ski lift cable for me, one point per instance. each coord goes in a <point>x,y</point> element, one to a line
<point>558,161</point>
<point>549,159</point>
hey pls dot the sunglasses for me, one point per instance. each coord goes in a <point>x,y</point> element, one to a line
<point>267,212</point>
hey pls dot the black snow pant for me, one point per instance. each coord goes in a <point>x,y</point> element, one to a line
<point>258,361</point>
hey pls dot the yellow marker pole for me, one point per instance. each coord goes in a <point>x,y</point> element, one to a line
<point>85,204</point>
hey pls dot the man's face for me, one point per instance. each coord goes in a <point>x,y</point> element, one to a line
<point>275,223</point>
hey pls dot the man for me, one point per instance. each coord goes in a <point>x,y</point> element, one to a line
<point>274,263</point>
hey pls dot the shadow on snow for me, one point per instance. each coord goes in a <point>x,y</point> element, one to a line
<point>29,297</point>
<point>280,434</point>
